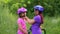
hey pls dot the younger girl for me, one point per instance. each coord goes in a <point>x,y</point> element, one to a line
<point>21,21</point>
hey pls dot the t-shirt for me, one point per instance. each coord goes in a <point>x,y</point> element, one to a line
<point>37,21</point>
<point>35,28</point>
<point>23,24</point>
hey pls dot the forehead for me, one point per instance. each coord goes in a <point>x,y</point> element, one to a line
<point>35,10</point>
<point>23,12</point>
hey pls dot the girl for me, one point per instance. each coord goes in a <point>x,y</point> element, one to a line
<point>21,21</point>
<point>37,21</point>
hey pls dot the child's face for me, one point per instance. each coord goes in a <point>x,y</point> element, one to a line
<point>23,14</point>
<point>36,12</point>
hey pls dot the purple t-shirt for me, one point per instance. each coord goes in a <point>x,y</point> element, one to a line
<point>37,21</point>
<point>35,28</point>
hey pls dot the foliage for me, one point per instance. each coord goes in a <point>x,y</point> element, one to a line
<point>51,6</point>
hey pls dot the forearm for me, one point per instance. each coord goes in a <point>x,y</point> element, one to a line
<point>30,21</point>
<point>24,31</point>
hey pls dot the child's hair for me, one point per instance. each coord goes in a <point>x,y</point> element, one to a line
<point>20,15</point>
<point>40,13</point>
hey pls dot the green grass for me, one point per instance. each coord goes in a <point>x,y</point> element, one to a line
<point>8,23</point>
<point>52,25</point>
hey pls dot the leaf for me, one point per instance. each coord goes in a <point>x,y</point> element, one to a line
<point>25,5</point>
<point>28,2</point>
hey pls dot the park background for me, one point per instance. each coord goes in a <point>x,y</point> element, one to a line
<point>8,15</point>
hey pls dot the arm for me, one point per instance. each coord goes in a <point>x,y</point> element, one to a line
<point>30,21</point>
<point>20,27</point>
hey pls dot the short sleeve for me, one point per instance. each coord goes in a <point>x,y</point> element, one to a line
<point>37,19</point>
<point>19,21</point>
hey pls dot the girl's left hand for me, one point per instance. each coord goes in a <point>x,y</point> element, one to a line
<point>41,27</point>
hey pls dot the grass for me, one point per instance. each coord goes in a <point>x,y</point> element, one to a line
<point>52,25</point>
<point>8,23</point>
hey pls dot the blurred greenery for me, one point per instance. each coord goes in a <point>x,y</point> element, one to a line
<point>51,6</point>
<point>8,14</point>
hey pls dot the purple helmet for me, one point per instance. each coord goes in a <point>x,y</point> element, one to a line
<point>38,7</point>
<point>20,10</point>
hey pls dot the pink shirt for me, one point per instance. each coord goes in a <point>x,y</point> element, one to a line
<point>23,24</point>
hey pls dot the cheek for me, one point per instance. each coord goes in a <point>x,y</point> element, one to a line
<point>35,12</point>
<point>22,14</point>
<point>25,13</point>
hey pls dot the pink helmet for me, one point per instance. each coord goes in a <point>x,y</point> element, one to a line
<point>20,10</point>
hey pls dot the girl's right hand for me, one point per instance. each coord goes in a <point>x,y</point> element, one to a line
<point>26,32</point>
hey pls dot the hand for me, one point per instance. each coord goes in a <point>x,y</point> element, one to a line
<point>26,32</point>
<point>26,17</point>
<point>41,27</point>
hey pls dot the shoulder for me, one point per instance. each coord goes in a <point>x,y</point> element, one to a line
<point>37,17</point>
<point>19,20</point>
